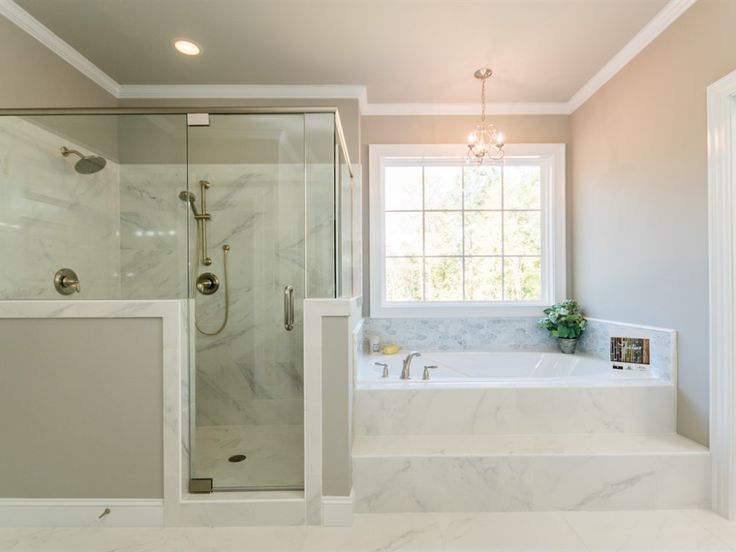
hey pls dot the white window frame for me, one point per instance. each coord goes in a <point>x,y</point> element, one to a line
<point>554,229</point>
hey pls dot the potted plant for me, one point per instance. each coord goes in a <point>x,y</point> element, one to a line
<point>565,322</point>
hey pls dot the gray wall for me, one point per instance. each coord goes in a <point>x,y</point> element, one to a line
<point>639,186</point>
<point>33,76</point>
<point>81,408</point>
<point>337,396</point>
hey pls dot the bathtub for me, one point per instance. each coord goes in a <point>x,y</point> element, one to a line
<point>489,392</point>
<point>516,369</point>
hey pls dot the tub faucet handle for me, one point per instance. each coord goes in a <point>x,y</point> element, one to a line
<point>385,368</point>
<point>425,376</point>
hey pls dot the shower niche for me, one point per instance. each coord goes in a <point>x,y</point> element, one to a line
<point>241,218</point>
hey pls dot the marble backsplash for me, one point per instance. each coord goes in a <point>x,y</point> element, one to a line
<point>513,334</point>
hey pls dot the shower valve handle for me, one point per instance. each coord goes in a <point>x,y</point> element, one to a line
<point>67,282</point>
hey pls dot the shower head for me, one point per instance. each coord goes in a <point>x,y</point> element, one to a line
<point>186,196</point>
<point>190,198</point>
<point>87,164</point>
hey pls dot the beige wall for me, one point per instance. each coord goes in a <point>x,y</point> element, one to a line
<point>639,187</point>
<point>81,408</point>
<point>518,129</point>
<point>34,76</point>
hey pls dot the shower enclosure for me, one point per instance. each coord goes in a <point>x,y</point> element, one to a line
<point>242,214</point>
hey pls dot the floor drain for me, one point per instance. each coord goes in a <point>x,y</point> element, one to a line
<point>237,458</point>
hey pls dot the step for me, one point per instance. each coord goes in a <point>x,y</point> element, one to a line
<point>485,473</point>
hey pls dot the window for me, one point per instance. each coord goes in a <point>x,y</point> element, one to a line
<point>453,238</point>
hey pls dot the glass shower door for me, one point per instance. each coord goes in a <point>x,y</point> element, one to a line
<point>246,202</point>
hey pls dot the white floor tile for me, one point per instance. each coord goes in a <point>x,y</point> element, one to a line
<point>644,531</point>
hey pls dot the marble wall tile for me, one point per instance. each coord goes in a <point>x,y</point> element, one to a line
<point>153,231</point>
<point>53,217</point>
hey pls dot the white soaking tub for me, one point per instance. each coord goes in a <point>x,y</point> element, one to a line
<point>486,368</point>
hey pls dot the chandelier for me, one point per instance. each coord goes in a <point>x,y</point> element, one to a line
<point>485,142</point>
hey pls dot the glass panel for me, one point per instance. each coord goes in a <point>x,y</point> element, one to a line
<point>249,368</point>
<point>521,187</point>
<point>442,188</point>
<point>108,209</point>
<point>404,279</point>
<point>403,188</point>
<point>522,279</point>
<point>320,204</point>
<point>482,187</point>
<point>404,234</point>
<point>522,233</point>
<point>483,233</point>
<point>444,279</point>
<point>443,233</point>
<point>483,279</point>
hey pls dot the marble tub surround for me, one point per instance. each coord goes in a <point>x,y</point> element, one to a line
<point>663,344</point>
<point>459,333</point>
<point>475,445</point>
<point>513,334</point>
<point>509,411</point>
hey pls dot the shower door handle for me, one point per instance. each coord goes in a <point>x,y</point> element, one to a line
<point>289,308</point>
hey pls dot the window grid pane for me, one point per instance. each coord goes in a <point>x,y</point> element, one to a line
<point>495,276</point>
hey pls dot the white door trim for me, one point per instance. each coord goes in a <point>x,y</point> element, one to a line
<point>721,243</point>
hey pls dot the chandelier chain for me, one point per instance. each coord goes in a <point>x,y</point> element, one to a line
<point>483,101</point>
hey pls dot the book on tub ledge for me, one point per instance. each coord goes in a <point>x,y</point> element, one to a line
<point>630,352</point>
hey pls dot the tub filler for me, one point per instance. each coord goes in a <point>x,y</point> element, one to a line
<point>514,431</point>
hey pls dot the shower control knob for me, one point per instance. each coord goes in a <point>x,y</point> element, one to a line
<point>66,281</point>
<point>208,283</point>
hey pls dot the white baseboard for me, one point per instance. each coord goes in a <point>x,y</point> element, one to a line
<point>337,511</point>
<point>84,512</point>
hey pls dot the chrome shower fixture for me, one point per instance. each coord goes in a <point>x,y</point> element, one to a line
<point>87,164</point>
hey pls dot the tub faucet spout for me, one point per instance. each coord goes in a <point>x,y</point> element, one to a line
<point>405,371</point>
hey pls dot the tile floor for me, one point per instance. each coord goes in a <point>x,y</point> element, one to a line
<point>274,455</point>
<point>643,531</point>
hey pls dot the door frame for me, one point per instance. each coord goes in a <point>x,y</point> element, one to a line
<point>722,299</point>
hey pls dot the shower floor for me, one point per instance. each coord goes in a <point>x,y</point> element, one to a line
<point>274,455</point>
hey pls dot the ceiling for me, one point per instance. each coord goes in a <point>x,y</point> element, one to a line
<point>404,51</point>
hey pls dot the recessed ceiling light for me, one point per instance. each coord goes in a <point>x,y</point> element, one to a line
<point>187,47</point>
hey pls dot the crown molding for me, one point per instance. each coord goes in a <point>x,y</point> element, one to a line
<point>399,109</point>
<point>664,18</point>
<point>241,91</point>
<point>53,42</point>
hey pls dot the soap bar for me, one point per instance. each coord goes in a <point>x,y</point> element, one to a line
<point>390,349</point>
